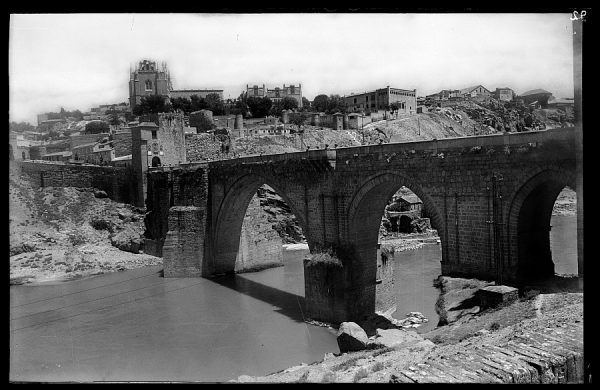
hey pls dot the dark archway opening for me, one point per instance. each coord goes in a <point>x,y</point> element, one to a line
<point>563,234</point>
<point>155,162</point>
<point>269,229</point>
<point>547,236</point>
<point>415,264</point>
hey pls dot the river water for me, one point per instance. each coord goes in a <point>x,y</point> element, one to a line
<point>138,326</point>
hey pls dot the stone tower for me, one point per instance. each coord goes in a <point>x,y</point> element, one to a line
<point>148,79</point>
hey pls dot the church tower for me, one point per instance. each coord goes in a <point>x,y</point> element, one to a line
<point>147,80</point>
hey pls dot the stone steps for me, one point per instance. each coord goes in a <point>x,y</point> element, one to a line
<point>550,355</point>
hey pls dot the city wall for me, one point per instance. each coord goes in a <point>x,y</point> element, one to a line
<point>117,182</point>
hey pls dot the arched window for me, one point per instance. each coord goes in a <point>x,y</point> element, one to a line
<point>148,85</point>
<point>155,161</point>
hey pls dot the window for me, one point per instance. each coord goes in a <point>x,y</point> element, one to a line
<point>153,134</point>
<point>354,100</point>
<point>292,89</point>
<point>148,85</point>
<point>367,98</point>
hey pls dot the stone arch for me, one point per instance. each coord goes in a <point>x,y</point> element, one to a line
<point>528,223</point>
<point>230,216</point>
<point>364,217</point>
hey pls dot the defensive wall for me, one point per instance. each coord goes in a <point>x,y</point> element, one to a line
<point>117,182</point>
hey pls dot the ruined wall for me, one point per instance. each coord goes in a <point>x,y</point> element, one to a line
<point>171,138</point>
<point>202,147</point>
<point>117,182</point>
<point>385,297</point>
<point>122,143</point>
<point>260,245</point>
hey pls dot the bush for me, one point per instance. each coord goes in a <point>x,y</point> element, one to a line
<point>326,258</point>
<point>101,224</point>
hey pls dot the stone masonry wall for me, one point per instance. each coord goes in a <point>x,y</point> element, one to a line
<point>117,182</point>
<point>122,143</point>
<point>260,245</point>
<point>385,297</point>
<point>202,147</point>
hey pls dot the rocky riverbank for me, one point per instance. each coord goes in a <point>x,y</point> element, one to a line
<point>68,233</point>
<point>537,338</point>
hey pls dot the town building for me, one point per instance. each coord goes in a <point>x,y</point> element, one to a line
<point>18,147</point>
<point>562,103</point>
<point>537,96</point>
<point>477,91</point>
<point>158,141</point>
<point>445,94</point>
<point>58,156</point>
<point>504,94</point>
<point>276,94</point>
<point>84,152</point>
<point>381,99</point>
<point>148,79</point>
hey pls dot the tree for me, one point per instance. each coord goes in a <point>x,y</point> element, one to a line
<point>305,103</point>
<point>320,103</point>
<point>183,104</point>
<point>299,119</point>
<point>336,103</point>
<point>259,107</point>
<point>198,103</point>
<point>215,103</point>
<point>289,103</point>
<point>276,108</point>
<point>152,104</point>
<point>20,127</point>
<point>96,127</point>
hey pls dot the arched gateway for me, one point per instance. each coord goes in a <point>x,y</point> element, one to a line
<point>489,197</point>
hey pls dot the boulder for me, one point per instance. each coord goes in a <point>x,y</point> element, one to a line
<point>100,194</point>
<point>128,240</point>
<point>393,338</point>
<point>351,337</point>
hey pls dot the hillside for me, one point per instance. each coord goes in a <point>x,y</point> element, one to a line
<point>63,233</point>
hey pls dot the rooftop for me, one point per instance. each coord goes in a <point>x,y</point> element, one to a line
<point>535,92</point>
<point>411,198</point>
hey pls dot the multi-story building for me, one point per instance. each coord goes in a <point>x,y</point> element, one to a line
<point>148,80</point>
<point>445,94</point>
<point>475,92</point>
<point>381,99</point>
<point>276,94</point>
<point>505,94</point>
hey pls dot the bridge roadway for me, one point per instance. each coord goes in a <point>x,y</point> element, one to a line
<point>490,198</point>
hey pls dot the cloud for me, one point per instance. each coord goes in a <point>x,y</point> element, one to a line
<point>79,61</point>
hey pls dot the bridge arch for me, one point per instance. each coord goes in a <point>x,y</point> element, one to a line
<point>230,217</point>
<point>528,223</point>
<point>364,218</point>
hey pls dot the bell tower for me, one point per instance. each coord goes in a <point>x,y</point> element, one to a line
<point>147,79</point>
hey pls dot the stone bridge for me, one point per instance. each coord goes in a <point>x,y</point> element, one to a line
<point>489,197</point>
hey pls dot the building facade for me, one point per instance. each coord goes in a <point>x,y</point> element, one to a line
<point>476,91</point>
<point>505,94</point>
<point>148,79</point>
<point>156,143</point>
<point>381,99</point>
<point>276,94</point>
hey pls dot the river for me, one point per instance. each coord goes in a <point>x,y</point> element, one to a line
<point>138,326</point>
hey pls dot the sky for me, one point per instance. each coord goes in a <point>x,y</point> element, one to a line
<point>79,61</point>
